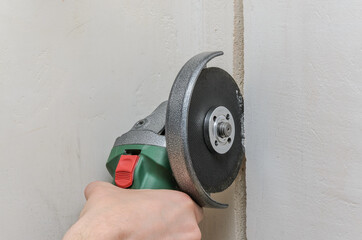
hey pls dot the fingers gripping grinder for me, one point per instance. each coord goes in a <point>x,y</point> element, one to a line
<point>192,142</point>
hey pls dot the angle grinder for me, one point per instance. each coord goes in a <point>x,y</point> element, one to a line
<point>193,142</point>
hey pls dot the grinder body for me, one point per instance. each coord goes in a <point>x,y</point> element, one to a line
<point>140,167</point>
<point>138,159</point>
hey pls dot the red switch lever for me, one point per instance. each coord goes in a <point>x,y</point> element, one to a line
<point>125,170</point>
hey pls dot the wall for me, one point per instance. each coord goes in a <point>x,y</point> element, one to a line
<point>76,74</point>
<point>303,94</point>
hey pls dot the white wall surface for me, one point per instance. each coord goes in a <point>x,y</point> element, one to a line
<point>74,75</point>
<point>303,94</point>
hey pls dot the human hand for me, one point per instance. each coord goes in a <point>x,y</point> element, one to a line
<point>112,213</point>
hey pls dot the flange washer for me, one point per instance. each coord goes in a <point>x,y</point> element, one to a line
<point>219,129</point>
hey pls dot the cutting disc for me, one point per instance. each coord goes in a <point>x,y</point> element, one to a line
<point>204,134</point>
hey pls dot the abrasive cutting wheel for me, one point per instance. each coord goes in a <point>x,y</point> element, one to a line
<point>203,129</point>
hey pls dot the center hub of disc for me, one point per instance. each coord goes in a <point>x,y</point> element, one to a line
<point>224,129</point>
<point>219,129</point>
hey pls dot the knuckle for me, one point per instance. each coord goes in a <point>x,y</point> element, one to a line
<point>185,199</point>
<point>188,202</point>
<point>196,233</point>
<point>93,187</point>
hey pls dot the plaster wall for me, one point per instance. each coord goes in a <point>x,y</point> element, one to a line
<point>303,95</point>
<point>74,75</point>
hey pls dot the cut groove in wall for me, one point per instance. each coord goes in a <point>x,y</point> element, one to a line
<point>238,73</point>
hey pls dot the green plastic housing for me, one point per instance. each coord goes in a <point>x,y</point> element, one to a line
<point>153,169</point>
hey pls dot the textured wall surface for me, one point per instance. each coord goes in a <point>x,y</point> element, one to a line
<point>303,91</point>
<point>76,74</point>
